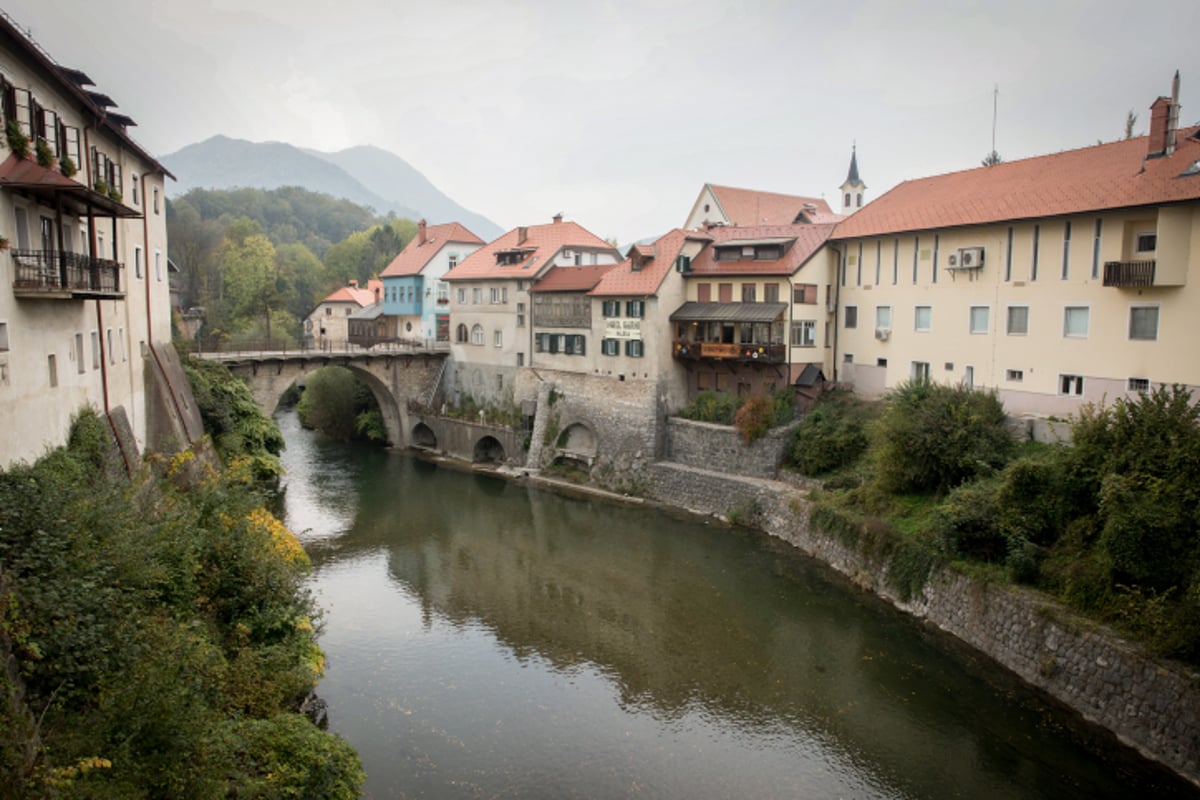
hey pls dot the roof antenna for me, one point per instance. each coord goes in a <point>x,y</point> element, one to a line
<point>995,106</point>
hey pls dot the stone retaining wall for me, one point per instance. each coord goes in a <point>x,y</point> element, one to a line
<point>1152,707</point>
<point>705,446</point>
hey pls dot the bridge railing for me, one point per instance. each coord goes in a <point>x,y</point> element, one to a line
<point>263,347</point>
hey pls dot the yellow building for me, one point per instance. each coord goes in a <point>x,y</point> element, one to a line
<point>1055,280</point>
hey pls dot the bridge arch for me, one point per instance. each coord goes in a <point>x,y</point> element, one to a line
<point>488,450</point>
<point>424,436</point>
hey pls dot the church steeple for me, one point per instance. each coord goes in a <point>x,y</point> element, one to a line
<point>853,187</point>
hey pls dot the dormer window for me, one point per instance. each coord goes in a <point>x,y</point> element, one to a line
<point>768,252</point>
<point>509,258</point>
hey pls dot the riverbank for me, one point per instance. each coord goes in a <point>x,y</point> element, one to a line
<point>1150,706</point>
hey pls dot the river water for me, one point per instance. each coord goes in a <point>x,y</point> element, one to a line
<point>485,639</point>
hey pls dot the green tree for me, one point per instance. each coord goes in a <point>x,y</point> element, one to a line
<point>991,159</point>
<point>255,287</point>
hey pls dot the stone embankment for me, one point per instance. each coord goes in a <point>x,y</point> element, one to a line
<point>1152,707</point>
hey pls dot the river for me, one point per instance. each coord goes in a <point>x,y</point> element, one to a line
<point>486,639</point>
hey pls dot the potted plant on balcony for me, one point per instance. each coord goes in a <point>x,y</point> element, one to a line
<point>101,186</point>
<point>3,243</point>
<point>18,142</point>
<point>45,156</point>
<point>67,167</point>
<point>113,194</point>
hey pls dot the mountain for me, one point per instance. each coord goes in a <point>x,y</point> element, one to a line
<point>365,175</point>
<point>380,172</point>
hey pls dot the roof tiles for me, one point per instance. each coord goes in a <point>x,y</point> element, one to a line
<point>750,207</point>
<point>1097,178</point>
<point>624,280</point>
<point>572,279</point>
<point>541,242</point>
<point>807,238</point>
<point>417,254</point>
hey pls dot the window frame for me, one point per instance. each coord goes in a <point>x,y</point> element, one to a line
<point>798,337</point>
<point>850,317</point>
<point>987,320</point>
<point>1157,321</point>
<point>1008,320</point>
<point>917,319</point>
<point>1076,307</point>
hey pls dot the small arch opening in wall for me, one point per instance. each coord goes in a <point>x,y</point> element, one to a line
<point>488,450</point>
<point>424,437</point>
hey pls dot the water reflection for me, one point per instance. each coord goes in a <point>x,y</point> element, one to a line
<point>489,639</point>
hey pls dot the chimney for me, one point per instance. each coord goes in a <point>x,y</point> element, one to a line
<point>558,218</point>
<point>1173,114</point>
<point>421,232</point>
<point>353,283</point>
<point>1164,118</point>
<point>522,235</point>
<point>377,291</point>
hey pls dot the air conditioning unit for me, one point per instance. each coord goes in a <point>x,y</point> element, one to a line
<point>883,334</point>
<point>970,257</point>
<point>953,261</point>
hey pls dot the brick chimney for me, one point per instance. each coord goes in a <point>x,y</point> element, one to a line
<point>558,218</point>
<point>522,235</point>
<point>1164,119</point>
<point>421,232</point>
<point>353,283</point>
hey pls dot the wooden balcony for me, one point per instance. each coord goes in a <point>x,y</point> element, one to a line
<point>720,351</point>
<point>50,275</point>
<point>1129,273</point>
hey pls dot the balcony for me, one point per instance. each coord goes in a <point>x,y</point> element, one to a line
<point>50,275</point>
<point>1129,273</point>
<point>752,353</point>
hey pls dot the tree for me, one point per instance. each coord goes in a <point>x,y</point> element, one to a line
<point>193,244</point>
<point>1130,121</point>
<point>991,159</point>
<point>254,287</point>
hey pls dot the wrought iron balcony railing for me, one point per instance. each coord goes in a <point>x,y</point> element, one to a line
<point>59,275</point>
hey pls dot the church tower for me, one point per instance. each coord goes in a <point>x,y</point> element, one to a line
<point>853,188</point>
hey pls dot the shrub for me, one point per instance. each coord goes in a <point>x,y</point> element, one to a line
<point>933,437</point>
<point>710,406</point>
<point>829,437</point>
<point>45,156</point>
<point>754,418</point>
<point>18,142</point>
<point>1031,500</point>
<point>965,522</point>
<point>238,427</point>
<point>341,406</point>
<point>67,167</point>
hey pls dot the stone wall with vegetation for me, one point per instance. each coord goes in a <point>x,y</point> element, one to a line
<point>708,446</point>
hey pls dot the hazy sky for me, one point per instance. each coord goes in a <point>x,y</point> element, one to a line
<point>616,113</point>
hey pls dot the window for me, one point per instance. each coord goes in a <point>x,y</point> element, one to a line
<point>805,293</point>
<point>1033,263</point>
<point>612,308</point>
<point>1096,249</point>
<point>771,293</point>
<point>80,367</point>
<point>462,296</point>
<point>635,308</point>
<point>494,295</point>
<point>112,353</point>
<point>858,266</point>
<point>121,342</point>
<point>498,338</point>
<point>919,372</point>
<point>1138,385</point>
<point>443,292</point>
<point>704,293</point>
<point>633,348</point>
<point>883,317</point>
<point>477,295</point>
<point>477,334</point>
<point>969,377</point>
<point>520,359</point>
<point>858,200</point>
<point>1018,321</point>
<point>1066,265</point>
<point>922,318</point>
<point>610,347</point>
<point>1008,256</point>
<point>158,265</point>
<point>328,310</point>
<point>1014,375</point>
<point>848,358</point>
<point>804,333</point>
<point>851,319</point>
<point>452,261</point>
<point>749,292</point>
<point>137,262</point>
<point>155,199</point>
<point>461,334</point>
<point>53,367</point>
<point>3,337</point>
<point>1143,323</point>
<point>134,178</point>
<point>847,203</point>
<point>916,252</point>
<point>1147,242</point>
<point>725,292</point>
<point>979,319</point>
<point>1075,322</point>
<point>881,362</point>
<point>1070,384</point>
<point>95,349</point>
<point>520,315</point>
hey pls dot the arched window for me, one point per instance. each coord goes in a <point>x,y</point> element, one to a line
<point>477,334</point>
<point>461,333</point>
<point>858,200</point>
<point>847,203</point>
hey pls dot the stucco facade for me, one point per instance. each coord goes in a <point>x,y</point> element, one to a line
<point>84,290</point>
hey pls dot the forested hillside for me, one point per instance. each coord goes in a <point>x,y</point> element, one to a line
<point>258,261</point>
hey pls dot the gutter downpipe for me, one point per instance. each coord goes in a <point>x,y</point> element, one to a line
<point>837,297</point>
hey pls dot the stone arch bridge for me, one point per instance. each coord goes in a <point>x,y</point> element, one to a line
<point>400,381</point>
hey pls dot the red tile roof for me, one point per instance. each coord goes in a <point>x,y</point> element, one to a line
<point>806,240</point>
<point>1096,178</point>
<point>416,254</point>
<point>750,207</point>
<point>541,242</point>
<point>354,294</point>
<point>624,280</point>
<point>572,279</point>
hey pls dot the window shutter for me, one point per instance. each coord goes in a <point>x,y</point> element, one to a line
<point>580,345</point>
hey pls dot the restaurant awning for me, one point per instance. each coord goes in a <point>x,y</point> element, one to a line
<point>729,312</point>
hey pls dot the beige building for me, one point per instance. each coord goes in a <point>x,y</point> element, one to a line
<point>490,304</point>
<point>327,327</point>
<point>726,205</point>
<point>84,292</point>
<point>1055,280</point>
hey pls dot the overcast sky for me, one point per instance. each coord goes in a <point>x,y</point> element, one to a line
<point>616,113</point>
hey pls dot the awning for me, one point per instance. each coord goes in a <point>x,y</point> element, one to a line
<point>48,185</point>
<point>729,312</point>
